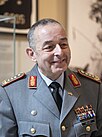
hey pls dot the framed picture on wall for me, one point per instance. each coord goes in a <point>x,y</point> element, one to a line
<point>24,12</point>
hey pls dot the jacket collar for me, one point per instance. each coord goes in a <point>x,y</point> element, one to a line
<point>70,97</point>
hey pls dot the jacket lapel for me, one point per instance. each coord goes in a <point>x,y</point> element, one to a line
<point>70,96</point>
<point>43,94</point>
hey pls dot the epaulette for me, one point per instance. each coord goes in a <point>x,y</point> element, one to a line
<point>12,79</point>
<point>90,76</point>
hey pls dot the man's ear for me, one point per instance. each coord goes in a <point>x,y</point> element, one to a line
<point>31,54</point>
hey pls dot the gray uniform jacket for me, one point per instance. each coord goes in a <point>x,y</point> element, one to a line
<point>27,108</point>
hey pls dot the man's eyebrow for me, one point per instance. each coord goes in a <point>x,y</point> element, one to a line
<point>50,41</point>
<point>63,38</point>
<point>47,42</point>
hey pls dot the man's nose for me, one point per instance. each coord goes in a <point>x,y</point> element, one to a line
<point>58,49</point>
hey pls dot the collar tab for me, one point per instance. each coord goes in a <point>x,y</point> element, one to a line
<point>75,81</point>
<point>32,82</point>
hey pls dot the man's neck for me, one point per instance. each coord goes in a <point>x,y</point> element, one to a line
<point>49,81</point>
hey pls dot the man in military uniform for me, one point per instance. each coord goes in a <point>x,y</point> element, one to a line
<point>50,100</point>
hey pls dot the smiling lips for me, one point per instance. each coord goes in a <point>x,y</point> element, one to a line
<point>59,61</point>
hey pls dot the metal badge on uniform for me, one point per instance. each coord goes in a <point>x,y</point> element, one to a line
<point>90,76</point>
<point>12,79</point>
<point>84,113</point>
<point>74,80</point>
<point>32,82</point>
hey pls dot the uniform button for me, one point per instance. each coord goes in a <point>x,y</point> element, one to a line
<point>63,128</point>
<point>33,112</point>
<point>88,128</point>
<point>33,130</point>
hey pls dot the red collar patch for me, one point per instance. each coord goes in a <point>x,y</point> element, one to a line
<point>32,82</point>
<point>75,81</point>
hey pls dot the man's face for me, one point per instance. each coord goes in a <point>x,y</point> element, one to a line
<point>52,50</point>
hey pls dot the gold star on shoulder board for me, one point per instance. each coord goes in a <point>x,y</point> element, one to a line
<point>12,79</point>
<point>90,76</point>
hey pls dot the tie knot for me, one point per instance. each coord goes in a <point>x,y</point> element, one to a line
<point>55,85</point>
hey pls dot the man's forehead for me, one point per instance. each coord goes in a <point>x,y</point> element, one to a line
<point>50,32</point>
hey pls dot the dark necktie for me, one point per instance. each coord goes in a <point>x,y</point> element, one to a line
<point>55,86</point>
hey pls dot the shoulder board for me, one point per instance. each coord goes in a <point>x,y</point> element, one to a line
<point>12,79</point>
<point>90,76</point>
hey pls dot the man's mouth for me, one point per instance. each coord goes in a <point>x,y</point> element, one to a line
<point>59,61</point>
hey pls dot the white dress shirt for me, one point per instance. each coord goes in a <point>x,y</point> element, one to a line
<point>48,81</point>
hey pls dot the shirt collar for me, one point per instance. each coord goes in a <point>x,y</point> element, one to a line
<point>49,81</point>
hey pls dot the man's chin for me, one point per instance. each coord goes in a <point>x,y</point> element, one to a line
<point>59,70</point>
